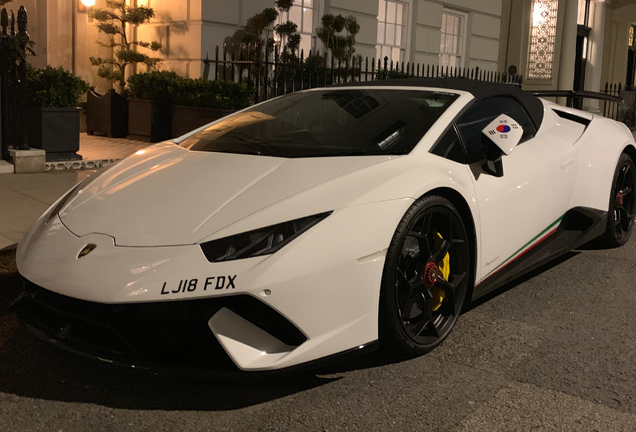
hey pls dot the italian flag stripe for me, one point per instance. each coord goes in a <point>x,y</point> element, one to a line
<point>551,229</point>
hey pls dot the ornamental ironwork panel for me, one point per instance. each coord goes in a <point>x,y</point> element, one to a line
<point>542,39</point>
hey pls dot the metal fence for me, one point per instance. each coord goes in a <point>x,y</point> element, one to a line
<point>13,46</point>
<point>273,73</point>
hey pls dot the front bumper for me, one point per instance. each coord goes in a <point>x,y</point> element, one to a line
<point>146,335</point>
<point>316,297</point>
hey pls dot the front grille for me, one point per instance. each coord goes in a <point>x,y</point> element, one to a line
<point>172,334</point>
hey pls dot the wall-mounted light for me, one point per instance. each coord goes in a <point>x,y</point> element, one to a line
<point>86,5</point>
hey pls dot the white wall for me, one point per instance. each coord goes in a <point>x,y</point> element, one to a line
<point>482,31</point>
<point>190,29</point>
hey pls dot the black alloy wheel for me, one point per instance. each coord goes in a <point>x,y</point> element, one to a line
<point>620,219</point>
<point>426,277</point>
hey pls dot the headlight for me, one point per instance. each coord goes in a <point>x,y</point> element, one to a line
<point>262,241</point>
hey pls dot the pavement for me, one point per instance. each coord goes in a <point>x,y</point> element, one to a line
<point>24,197</point>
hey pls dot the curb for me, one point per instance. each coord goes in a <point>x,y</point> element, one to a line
<point>9,248</point>
<point>79,164</point>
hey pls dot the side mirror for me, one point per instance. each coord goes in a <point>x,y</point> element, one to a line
<point>489,159</point>
<point>494,166</point>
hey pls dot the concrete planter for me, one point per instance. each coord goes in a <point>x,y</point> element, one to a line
<point>107,114</point>
<point>55,130</point>
<point>149,120</point>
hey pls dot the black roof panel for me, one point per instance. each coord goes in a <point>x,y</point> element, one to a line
<point>479,89</point>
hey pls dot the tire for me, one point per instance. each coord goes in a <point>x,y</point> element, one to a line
<point>620,218</point>
<point>426,277</point>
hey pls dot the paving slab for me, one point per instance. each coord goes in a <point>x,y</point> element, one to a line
<point>18,207</point>
<point>6,243</point>
<point>24,197</point>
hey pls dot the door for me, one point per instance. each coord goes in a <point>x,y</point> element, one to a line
<point>519,208</point>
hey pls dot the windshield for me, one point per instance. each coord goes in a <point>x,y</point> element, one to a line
<point>327,123</point>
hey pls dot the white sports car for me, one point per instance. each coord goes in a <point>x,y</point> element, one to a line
<point>323,222</point>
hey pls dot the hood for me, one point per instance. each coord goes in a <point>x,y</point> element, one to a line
<point>166,195</point>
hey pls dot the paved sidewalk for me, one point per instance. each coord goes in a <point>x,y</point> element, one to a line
<point>24,197</point>
<point>99,152</point>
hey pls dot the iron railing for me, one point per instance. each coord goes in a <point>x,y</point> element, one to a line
<point>275,74</point>
<point>13,48</point>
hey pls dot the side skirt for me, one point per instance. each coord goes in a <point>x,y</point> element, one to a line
<point>578,226</point>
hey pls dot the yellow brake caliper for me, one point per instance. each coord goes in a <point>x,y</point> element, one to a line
<point>444,268</point>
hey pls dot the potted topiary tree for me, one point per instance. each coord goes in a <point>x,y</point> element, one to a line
<point>108,114</point>
<point>54,94</point>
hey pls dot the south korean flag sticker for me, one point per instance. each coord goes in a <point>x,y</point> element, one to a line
<point>505,132</point>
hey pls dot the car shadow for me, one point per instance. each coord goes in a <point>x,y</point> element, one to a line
<point>30,367</point>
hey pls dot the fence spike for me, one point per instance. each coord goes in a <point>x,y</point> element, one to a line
<point>302,80</point>
<point>4,21</point>
<point>22,20</point>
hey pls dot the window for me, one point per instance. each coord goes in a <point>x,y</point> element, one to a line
<point>584,13</point>
<point>542,39</point>
<point>474,120</point>
<point>391,30</point>
<point>303,14</point>
<point>451,48</point>
<point>480,114</point>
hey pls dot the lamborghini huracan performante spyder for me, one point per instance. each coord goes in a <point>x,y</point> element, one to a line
<point>321,223</point>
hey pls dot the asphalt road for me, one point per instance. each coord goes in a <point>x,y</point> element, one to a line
<point>553,352</point>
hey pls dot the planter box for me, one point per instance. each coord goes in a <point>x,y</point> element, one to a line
<point>187,118</point>
<point>107,114</point>
<point>149,120</point>
<point>55,130</point>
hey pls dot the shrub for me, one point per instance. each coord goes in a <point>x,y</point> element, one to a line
<point>190,92</point>
<point>55,87</point>
<point>154,85</point>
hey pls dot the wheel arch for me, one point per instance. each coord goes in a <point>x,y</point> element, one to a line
<point>631,151</point>
<point>460,203</point>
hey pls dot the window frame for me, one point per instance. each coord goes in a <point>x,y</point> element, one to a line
<point>461,45</point>
<point>405,29</point>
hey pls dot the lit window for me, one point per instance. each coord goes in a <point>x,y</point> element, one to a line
<point>451,49</point>
<point>302,13</point>
<point>391,30</point>
<point>542,39</point>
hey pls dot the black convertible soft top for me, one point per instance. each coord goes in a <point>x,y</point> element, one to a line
<point>479,89</point>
